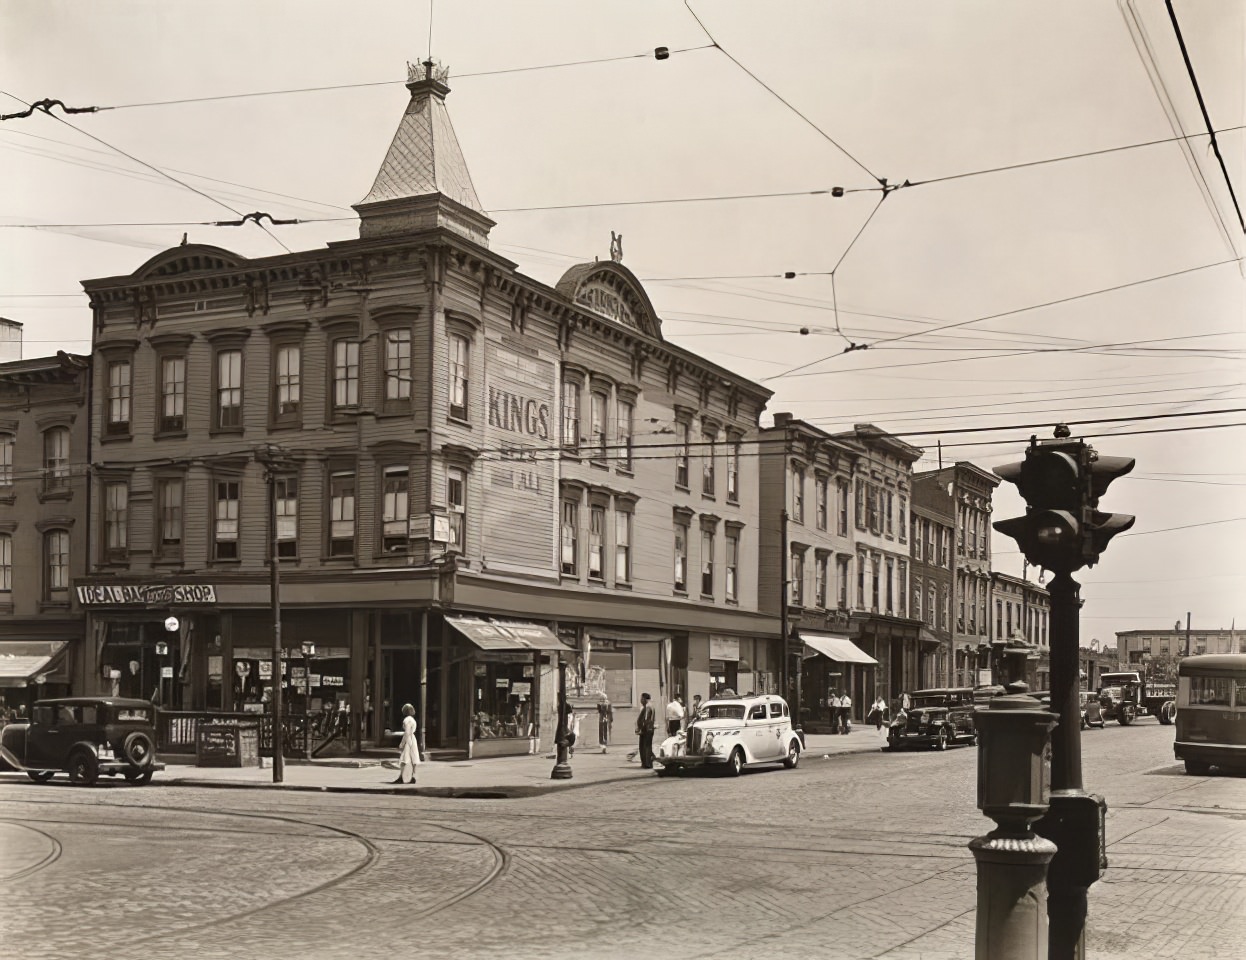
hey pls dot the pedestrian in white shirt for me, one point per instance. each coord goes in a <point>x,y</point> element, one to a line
<point>674,716</point>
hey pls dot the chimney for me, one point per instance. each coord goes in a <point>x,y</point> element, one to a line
<point>782,419</point>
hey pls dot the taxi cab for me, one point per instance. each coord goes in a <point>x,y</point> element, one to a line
<point>733,733</point>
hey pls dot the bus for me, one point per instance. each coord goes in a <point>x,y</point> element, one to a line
<point>1211,713</point>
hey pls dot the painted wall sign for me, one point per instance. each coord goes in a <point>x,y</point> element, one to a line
<point>151,595</point>
<point>724,648</point>
<point>522,423</point>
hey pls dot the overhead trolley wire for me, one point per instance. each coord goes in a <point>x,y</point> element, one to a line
<point>797,370</point>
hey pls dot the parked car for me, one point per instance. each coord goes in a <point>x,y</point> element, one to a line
<point>733,733</point>
<point>1092,711</point>
<point>935,718</point>
<point>86,737</point>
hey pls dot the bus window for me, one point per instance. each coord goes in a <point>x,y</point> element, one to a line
<point>1209,691</point>
<point>1239,694</point>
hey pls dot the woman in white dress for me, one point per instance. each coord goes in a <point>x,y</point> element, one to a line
<point>408,747</point>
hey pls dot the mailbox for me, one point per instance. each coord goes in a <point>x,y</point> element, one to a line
<point>1014,758</point>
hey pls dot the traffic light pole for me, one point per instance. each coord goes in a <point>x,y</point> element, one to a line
<point>1066,742</point>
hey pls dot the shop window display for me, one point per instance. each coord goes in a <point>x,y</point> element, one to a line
<point>502,699</point>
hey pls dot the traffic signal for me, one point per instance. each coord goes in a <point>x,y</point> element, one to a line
<point>1061,481</point>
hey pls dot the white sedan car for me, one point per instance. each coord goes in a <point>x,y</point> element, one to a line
<point>734,733</point>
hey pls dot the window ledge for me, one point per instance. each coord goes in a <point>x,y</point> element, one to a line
<point>459,421</point>
<point>679,593</point>
<point>570,454</point>
<point>337,558</point>
<point>731,602</point>
<point>708,596</point>
<point>709,496</point>
<point>169,435</point>
<point>167,562</point>
<point>285,425</point>
<point>116,438</point>
<point>599,464</point>
<point>59,494</point>
<point>683,487</point>
<point>623,585</point>
<point>226,431</point>
<point>224,563</point>
<point>624,471</point>
<point>53,606</point>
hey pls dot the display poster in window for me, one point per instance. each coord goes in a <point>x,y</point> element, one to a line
<point>521,418</point>
<point>521,688</point>
<point>724,648</point>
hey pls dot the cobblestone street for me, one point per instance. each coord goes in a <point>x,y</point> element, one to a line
<point>854,856</point>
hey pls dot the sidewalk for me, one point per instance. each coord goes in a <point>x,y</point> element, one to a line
<point>493,778</point>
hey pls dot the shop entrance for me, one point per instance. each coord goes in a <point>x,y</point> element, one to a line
<point>724,675</point>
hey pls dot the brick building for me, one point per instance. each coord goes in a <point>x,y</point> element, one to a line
<point>472,474</point>
<point>846,498</point>
<point>965,490</point>
<point>932,539</point>
<point>43,525</point>
<point>1021,617</point>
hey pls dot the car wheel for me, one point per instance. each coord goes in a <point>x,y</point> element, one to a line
<point>84,768</point>
<point>138,749</point>
<point>941,739</point>
<point>1125,718</point>
<point>793,755</point>
<point>1165,714</point>
<point>736,764</point>
<point>140,778</point>
<point>1197,768</point>
<point>41,776</point>
<point>893,743</point>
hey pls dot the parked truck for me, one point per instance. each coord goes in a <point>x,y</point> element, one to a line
<point>1125,696</point>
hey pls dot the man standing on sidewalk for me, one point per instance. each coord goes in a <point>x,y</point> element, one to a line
<point>845,711</point>
<point>644,730</point>
<point>605,719</point>
<point>833,702</point>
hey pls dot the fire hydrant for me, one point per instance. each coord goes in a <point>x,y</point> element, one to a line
<point>1014,788</point>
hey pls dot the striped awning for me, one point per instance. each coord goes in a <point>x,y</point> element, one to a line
<point>835,647</point>
<point>506,634</point>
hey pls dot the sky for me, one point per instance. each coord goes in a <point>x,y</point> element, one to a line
<point>1097,278</point>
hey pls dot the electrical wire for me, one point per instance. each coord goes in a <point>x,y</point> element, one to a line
<point>831,140</point>
<point>154,169</point>
<point>795,371</point>
<point>1202,105</point>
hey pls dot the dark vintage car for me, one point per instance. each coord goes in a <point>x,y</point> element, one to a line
<point>86,737</point>
<point>1092,714</point>
<point>935,718</point>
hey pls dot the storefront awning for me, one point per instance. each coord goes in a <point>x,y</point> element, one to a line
<point>22,662</point>
<point>507,634</point>
<point>928,638</point>
<point>835,647</point>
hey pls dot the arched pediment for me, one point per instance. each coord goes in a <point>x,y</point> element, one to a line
<point>191,258</point>
<point>609,289</point>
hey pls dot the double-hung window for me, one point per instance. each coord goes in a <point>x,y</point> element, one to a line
<point>119,385</point>
<point>707,563</point>
<point>225,527</point>
<point>458,355</point>
<point>287,382</point>
<point>681,454</point>
<point>229,390</point>
<point>7,446</point>
<point>456,506</point>
<point>821,506</point>
<point>286,491</point>
<point>570,538</point>
<point>841,581</point>
<point>733,470</point>
<point>625,411</point>
<point>345,374</point>
<point>398,363</point>
<point>732,566</point>
<point>56,459</point>
<point>623,546</point>
<point>116,519</point>
<point>395,524</point>
<point>570,416</point>
<point>798,494</point>
<point>172,394</point>
<point>796,576</point>
<point>6,566</point>
<point>841,507</point>
<point>681,557</point>
<point>820,570</point>
<point>342,513</point>
<point>169,497</point>
<point>56,565</point>
<point>708,453</point>
<point>597,406</point>
<point>596,542</point>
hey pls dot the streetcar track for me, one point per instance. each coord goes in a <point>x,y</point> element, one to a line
<point>501,863</point>
<point>53,855</point>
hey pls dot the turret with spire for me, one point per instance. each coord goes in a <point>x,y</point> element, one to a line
<point>424,181</point>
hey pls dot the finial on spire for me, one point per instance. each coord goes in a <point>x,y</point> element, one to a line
<point>616,247</point>
<point>427,70</point>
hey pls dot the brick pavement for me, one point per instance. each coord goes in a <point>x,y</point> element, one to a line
<point>856,856</point>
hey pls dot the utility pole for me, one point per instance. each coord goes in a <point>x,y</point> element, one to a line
<point>274,586</point>
<point>791,658</point>
<point>1187,633</point>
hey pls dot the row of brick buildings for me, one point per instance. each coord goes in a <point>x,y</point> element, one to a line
<point>465,475</point>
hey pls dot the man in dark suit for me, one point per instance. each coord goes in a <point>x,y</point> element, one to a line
<point>644,729</point>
